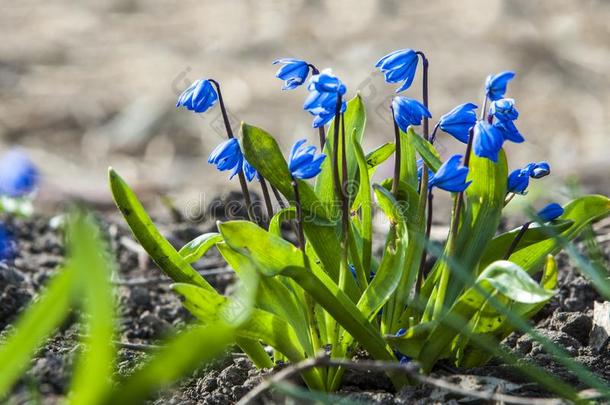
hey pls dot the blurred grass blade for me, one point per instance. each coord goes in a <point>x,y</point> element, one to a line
<point>183,354</point>
<point>89,256</point>
<point>159,249</point>
<point>38,321</point>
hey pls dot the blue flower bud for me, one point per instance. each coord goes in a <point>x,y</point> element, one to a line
<point>408,111</point>
<point>518,180</point>
<point>294,72</point>
<point>18,175</point>
<point>495,85</point>
<point>227,156</point>
<point>398,66</point>
<point>199,97</point>
<point>401,332</point>
<point>550,212</point>
<point>509,131</point>
<point>539,170</point>
<point>249,171</point>
<point>487,141</point>
<point>303,162</point>
<point>326,82</point>
<point>451,176</point>
<point>6,247</point>
<point>458,121</point>
<point>504,109</point>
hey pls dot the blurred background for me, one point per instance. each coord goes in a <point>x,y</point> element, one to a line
<point>88,84</point>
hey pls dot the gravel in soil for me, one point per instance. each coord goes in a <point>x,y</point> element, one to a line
<point>149,311</point>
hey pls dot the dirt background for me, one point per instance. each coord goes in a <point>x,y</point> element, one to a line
<point>88,84</point>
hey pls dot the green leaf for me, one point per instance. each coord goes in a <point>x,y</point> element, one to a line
<point>198,247</point>
<point>379,155</point>
<point>582,211</point>
<point>94,369</point>
<point>426,150</point>
<point>498,246</point>
<point>38,321</point>
<point>159,249</point>
<point>182,355</point>
<point>355,121</point>
<point>408,160</point>
<point>364,195</point>
<point>285,214</point>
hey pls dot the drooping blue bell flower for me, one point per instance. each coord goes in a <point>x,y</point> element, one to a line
<point>504,109</point>
<point>18,175</point>
<point>487,141</point>
<point>509,131</point>
<point>420,170</point>
<point>249,171</point>
<point>451,176</point>
<point>399,66</point>
<point>550,212</point>
<point>6,247</point>
<point>199,97</point>
<point>294,72</point>
<point>408,111</point>
<point>458,121</point>
<point>539,170</point>
<point>326,82</point>
<point>303,162</point>
<point>495,85</point>
<point>227,156</point>
<point>518,180</point>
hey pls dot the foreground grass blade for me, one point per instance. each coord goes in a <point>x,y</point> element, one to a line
<point>94,369</point>
<point>159,249</point>
<point>34,326</point>
<point>183,354</point>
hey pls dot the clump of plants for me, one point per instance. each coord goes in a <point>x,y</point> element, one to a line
<point>328,292</point>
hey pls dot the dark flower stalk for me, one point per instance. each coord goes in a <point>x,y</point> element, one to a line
<point>397,155</point>
<point>266,197</point>
<point>242,177</point>
<point>517,239</point>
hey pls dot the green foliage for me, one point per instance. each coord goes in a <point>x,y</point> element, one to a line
<point>307,299</point>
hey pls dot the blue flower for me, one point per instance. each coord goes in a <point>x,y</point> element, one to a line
<point>420,170</point>
<point>504,109</point>
<point>451,176</point>
<point>199,97</point>
<point>398,66</point>
<point>550,212</point>
<point>18,175</point>
<point>303,162</point>
<point>6,248</point>
<point>408,111</point>
<point>539,170</point>
<point>487,141</point>
<point>518,180</point>
<point>322,99</point>
<point>495,85</point>
<point>294,72</point>
<point>326,82</point>
<point>509,131</point>
<point>458,121</point>
<point>227,156</point>
<point>249,171</point>
<point>401,332</point>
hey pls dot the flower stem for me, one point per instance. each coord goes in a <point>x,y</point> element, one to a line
<point>397,156</point>
<point>433,136</point>
<point>425,90</point>
<point>517,239</point>
<point>266,197</point>
<point>242,178</point>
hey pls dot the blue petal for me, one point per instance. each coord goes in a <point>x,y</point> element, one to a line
<point>550,212</point>
<point>487,141</point>
<point>495,85</point>
<point>18,175</point>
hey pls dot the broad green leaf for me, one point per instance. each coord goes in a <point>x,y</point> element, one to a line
<point>285,214</point>
<point>582,211</point>
<point>355,120</point>
<point>198,247</point>
<point>366,208</point>
<point>379,155</point>
<point>94,368</point>
<point>159,249</point>
<point>37,322</point>
<point>408,159</point>
<point>182,355</point>
<point>426,150</point>
<point>498,246</point>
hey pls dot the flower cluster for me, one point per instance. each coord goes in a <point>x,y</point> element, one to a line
<point>325,93</point>
<point>518,180</point>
